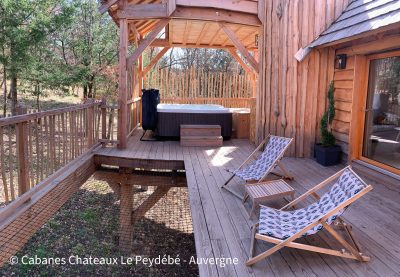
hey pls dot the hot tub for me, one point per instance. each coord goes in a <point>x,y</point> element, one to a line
<point>171,116</point>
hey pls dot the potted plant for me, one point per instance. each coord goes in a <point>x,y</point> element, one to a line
<point>327,152</point>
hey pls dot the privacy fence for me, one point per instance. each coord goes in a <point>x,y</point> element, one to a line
<point>201,87</point>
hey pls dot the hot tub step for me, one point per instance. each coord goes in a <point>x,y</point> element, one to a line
<point>200,130</point>
<point>201,141</point>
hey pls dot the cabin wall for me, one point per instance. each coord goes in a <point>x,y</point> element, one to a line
<point>343,84</point>
<point>291,96</point>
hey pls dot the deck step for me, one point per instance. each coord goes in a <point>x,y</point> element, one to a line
<point>200,130</point>
<point>201,141</point>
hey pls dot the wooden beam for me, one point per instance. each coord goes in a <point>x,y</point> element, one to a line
<point>122,84</point>
<point>188,13</point>
<point>242,49</point>
<point>240,61</point>
<point>261,10</point>
<point>235,31</point>
<point>386,43</point>
<point>134,31</point>
<point>143,11</point>
<point>144,43</point>
<point>104,7</point>
<point>245,6</point>
<point>216,15</point>
<point>111,176</point>
<point>171,7</point>
<point>166,43</point>
<point>155,60</point>
<point>147,27</point>
<point>147,204</point>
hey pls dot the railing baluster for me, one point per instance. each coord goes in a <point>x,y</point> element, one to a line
<point>3,166</point>
<point>11,162</point>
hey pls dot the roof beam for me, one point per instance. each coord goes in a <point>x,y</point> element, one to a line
<point>227,39</point>
<point>144,11</point>
<point>144,43</point>
<point>219,15</point>
<point>245,6</point>
<point>155,60</point>
<point>108,4</point>
<point>154,11</point>
<point>239,45</point>
<point>166,43</point>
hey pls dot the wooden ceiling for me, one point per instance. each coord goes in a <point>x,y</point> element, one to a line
<point>194,23</point>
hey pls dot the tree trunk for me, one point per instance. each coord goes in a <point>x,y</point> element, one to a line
<point>85,91</point>
<point>14,95</point>
<point>90,85</point>
<point>5,93</point>
<point>37,92</point>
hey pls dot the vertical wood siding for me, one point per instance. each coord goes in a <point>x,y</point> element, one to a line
<point>291,95</point>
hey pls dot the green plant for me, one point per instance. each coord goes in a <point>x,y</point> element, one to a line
<point>327,138</point>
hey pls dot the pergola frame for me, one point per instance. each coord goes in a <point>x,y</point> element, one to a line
<point>141,24</point>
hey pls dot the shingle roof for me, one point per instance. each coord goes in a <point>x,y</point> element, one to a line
<point>359,17</point>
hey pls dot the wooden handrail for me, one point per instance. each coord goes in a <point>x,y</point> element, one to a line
<point>27,117</point>
<point>134,100</point>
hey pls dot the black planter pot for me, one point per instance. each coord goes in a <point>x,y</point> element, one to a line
<point>327,156</point>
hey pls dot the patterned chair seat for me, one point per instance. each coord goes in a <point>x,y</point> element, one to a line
<point>284,224</point>
<point>266,161</point>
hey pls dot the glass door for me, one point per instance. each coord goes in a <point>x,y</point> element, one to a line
<point>381,140</point>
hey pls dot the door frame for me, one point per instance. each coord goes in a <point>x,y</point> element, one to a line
<point>359,100</point>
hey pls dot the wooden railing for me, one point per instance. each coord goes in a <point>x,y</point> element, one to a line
<point>33,146</point>
<point>134,114</point>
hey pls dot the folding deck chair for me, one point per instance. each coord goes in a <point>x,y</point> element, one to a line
<point>258,170</point>
<point>282,228</point>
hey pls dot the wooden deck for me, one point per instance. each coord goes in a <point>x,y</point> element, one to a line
<point>222,227</point>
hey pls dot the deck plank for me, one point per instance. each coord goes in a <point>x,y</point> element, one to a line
<point>222,227</point>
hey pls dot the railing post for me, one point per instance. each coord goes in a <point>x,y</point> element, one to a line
<point>89,123</point>
<point>22,151</point>
<point>103,118</point>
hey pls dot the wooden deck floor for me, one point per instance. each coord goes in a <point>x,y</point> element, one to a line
<point>222,227</point>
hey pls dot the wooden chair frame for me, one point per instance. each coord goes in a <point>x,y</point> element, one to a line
<point>349,251</point>
<point>285,175</point>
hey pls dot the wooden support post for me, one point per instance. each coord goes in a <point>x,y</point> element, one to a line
<point>140,87</point>
<point>122,84</point>
<point>22,150</point>
<point>125,217</point>
<point>89,124</point>
<point>104,118</point>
